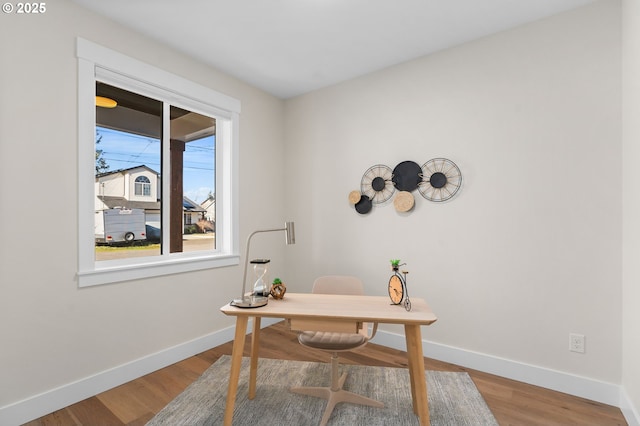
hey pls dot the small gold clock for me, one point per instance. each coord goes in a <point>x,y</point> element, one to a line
<point>396,290</point>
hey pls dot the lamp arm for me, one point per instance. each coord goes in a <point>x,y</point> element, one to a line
<point>246,255</point>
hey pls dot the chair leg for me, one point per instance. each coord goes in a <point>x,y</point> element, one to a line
<point>334,394</point>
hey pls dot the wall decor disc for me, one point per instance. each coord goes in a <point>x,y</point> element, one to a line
<point>407,176</point>
<point>404,201</point>
<point>364,205</point>
<point>354,197</point>
<point>376,183</point>
<point>441,179</point>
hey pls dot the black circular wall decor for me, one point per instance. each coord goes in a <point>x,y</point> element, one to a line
<point>376,183</point>
<point>438,180</point>
<point>407,176</point>
<point>364,205</point>
<point>441,179</point>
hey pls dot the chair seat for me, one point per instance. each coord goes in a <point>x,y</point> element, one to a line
<point>331,341</point>
<point>336,342</point>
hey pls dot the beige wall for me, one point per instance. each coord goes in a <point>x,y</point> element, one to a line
<point>631,202</point>
<point>51,332</point>
<point>530,250</point>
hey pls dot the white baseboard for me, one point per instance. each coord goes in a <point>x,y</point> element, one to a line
<point>63,396</point>
<point>630,413</point>
<point>47,402</point>
<point>594,390</point>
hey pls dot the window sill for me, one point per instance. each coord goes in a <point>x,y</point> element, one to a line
<point>114,274</point>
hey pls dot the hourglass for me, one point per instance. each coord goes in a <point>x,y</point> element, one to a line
<point>260,287</point>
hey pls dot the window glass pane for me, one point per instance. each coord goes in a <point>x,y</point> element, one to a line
<point>127,180</point>
<point>193,160</point>
<point>143,186</point>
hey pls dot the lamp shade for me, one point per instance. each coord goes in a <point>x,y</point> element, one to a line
<point>290,233</point>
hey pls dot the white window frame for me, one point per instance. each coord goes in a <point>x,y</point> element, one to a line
<point>98,63</point>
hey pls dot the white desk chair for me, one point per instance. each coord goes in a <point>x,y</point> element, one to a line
<point>334,343</point>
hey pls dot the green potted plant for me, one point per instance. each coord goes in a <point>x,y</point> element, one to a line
<point>278,289</point>
<point>395,264</point>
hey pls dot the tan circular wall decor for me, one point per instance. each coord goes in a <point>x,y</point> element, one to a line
<point>354,197</point>
<point>404,201</point>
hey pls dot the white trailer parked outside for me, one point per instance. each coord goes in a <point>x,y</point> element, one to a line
<point>120,225</point>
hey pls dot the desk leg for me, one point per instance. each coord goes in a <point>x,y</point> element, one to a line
<point>416,373</point>
<point>255,346</point>
<point>236,363</point>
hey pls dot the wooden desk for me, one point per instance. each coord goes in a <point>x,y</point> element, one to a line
<point>328,312</point>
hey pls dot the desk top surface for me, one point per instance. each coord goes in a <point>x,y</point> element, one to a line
<point>339,307</point>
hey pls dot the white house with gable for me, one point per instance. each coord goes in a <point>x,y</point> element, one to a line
<point>139,188</point>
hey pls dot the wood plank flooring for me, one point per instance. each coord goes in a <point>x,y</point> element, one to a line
<point>512,402</point>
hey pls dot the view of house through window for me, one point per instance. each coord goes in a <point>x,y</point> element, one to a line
<point>130,203</point>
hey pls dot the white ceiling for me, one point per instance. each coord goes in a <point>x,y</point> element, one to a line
<point>290,47</point>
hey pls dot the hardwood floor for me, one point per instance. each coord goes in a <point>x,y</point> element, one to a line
<point>512,403</point>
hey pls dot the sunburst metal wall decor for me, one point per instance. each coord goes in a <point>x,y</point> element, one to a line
<point>377,183</point>
<point>441,180</point>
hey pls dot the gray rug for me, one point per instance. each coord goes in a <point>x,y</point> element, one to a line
<point>453,397</point>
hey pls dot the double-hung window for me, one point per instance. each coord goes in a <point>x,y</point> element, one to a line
<point>157,167</point>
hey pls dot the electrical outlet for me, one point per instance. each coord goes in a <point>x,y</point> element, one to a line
<point>576,342</point>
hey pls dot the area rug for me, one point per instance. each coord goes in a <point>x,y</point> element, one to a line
<point>453,397</point>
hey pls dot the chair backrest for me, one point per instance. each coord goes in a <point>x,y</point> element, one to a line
<point>344,284</point>
<point>338,284</point>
